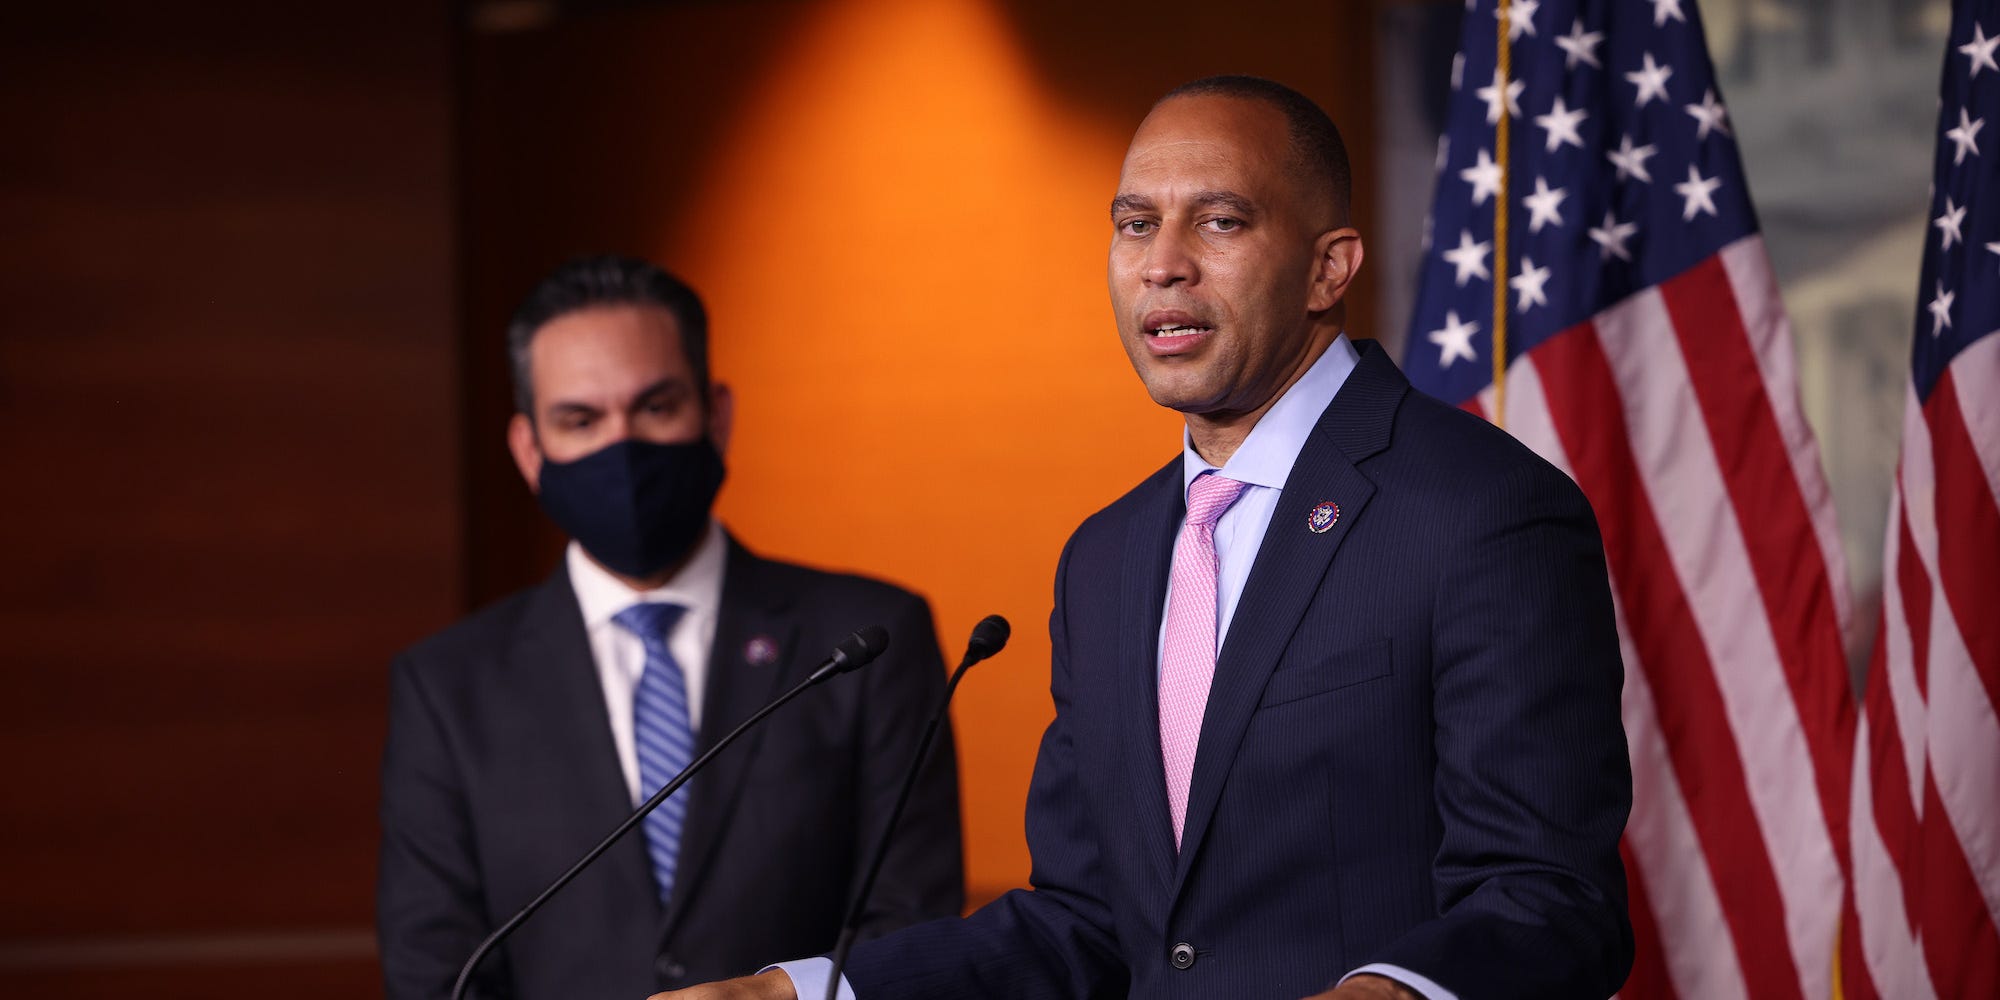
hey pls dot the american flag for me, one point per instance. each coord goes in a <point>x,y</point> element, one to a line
<point>1926,818</point>
<point>1648,355</point>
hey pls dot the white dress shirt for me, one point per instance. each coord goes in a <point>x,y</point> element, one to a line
<point>621,657</point>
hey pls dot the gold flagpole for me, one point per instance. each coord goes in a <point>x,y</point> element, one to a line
<point>1500,81</point>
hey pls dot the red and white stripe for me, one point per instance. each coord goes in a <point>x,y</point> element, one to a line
<point>1677,411</point>
<point>1926,783</point>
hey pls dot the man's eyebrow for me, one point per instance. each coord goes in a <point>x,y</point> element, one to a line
<point>672,384</point>
<point>1131,203</point>
<point>562,407</point>
<point>1228,200</point>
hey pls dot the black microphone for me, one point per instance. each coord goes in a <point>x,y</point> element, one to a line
<point>988,638</point>
<point>852,653</point>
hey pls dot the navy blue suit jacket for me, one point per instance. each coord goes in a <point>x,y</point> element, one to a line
<point>1412,751</point>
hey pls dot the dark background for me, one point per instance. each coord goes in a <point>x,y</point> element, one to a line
<point>228,409</point>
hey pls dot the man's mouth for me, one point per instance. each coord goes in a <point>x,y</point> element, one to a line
<point>1174,332</point>
<point>1171,332</point>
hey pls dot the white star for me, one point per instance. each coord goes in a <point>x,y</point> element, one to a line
<point>1520,18</point>
<point>1492,96</point>
<point>1993,248</point>
<point>1948,223</point>
<point>1457,70</point>
<point>1664,9</point>
<point>1962,137</point>
<point>1484,177</point>
<point>1455,340</point>
<point>1631,161</point>
<point>1580,45</point>
<point>1980,50</point>
<point>1697,193</point>
<point>1543,205</point>
<point>1561,123</point>
<point>1610,239</point>
<point>1652,81</point>
<point>1468,257</point>
<point>1709,115</point>
<point>1528,285</point>
<point>1940,308</point>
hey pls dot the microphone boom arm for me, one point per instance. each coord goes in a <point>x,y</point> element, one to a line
<point>851,654</point>
<point>988,637</point>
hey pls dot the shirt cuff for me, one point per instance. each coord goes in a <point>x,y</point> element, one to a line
<point>1424,987</point>
<point>809,977</point>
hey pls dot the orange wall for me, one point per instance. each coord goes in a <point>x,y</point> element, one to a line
<point>897,211</point>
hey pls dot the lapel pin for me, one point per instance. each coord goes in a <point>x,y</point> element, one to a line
<point>761,651</point>
<point>1323,517</point>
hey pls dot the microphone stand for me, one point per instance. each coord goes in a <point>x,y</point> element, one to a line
<point>987,639</point>
<point>853,653</point>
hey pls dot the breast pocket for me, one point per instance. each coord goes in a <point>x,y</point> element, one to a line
<point>1304,675</point>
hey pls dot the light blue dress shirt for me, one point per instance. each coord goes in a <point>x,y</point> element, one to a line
<point>1262,463</point>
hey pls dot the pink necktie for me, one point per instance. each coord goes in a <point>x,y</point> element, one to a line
<point>1187,659</point>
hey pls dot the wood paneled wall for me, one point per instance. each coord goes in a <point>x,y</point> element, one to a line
<point>228,401</point>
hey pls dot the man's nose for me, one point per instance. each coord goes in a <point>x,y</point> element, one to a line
<point>1170,260</point>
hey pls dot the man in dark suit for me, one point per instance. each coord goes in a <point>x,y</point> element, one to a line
<point>1337,689</point>
<point>520,736</point>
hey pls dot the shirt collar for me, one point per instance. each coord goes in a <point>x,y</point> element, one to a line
<point>697,587</point>
<point>1266,455</point>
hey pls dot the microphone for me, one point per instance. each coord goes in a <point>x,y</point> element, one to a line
<point>988,638</point>
<point>850,654</point>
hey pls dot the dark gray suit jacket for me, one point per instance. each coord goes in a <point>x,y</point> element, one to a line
<point>500,772</point>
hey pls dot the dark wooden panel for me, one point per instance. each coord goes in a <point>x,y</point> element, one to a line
<point>292,981</point>
<point>228,402</point>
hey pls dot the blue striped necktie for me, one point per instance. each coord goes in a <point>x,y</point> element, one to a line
<point>661,734</point>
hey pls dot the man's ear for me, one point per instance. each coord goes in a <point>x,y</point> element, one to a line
<point>527,452</point>
<point>721,415</point>
<point>1338,255</point>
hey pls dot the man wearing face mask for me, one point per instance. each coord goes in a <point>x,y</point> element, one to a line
<point>521,735</point>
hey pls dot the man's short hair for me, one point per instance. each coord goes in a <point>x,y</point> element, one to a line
<point>589,282</point>
<point>1317,150</point>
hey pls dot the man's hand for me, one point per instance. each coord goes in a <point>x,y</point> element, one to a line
<point>1367,987</point>
<point>772,985</point>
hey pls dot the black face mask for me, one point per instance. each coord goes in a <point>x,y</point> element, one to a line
<point>635,506</point>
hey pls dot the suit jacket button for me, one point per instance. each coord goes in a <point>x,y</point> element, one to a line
<point>669,969</point>
<point>1182,955</point>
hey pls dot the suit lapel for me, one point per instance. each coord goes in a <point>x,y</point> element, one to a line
<point>1149,549</point>
<point>739,683</point>
<point>1292,564</point>
<point>551,655</point>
